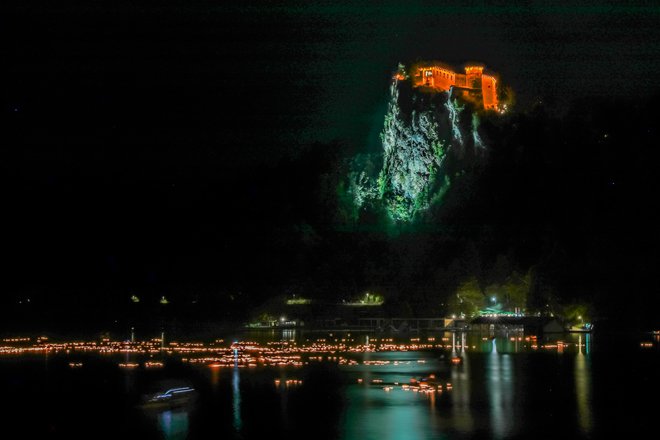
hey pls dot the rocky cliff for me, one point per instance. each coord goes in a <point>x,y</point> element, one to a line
<point>425,137</point>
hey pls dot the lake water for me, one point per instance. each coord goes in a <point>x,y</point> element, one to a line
<point>595,387</point>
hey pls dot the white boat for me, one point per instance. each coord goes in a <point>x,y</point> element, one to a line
<point>171,397</point>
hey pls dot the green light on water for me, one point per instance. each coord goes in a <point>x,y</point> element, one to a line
<point>174,424</point>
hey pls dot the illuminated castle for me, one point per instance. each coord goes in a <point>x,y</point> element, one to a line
<point>474,85</point>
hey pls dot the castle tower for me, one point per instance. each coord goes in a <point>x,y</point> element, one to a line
<point>489,92</point>
<point>473,74</point>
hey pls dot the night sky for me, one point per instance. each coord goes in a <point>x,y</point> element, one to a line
<point>167,147</point>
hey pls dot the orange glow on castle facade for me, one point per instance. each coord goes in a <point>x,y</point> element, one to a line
<point>474,83</point>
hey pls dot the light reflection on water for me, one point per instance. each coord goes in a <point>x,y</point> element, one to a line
<point>460,396</point>
<point>173,424</point>
<point>583,386</point>
<point>481,399</point>
<point>375,414</point>
<point>500,391</point>
<point>289,334</point>
<point>513,387</point>
<point>236,395</point>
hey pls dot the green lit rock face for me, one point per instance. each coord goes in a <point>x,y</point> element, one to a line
<point>413,153</point>
<point>421,130</point>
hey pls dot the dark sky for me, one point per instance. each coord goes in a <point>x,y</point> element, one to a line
<point>310,70</point>
<point>135,132</point>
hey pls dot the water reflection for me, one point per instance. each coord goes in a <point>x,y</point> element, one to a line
<point>582,374</point>
<point>129,378</point>
<point>173,424</point>
<point>499,377</point>
<point>236,395</point>
<point>289,334</point>
<point>485,396</point>
<point>460,397</point>
<point>374,414</point>
<point>215,378</point>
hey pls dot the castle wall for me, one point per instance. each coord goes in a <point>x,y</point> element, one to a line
<point>441,78</point>
<point>489,91</point>
<point>435,77</point>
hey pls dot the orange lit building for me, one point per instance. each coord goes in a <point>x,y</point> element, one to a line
<point>475,84</point>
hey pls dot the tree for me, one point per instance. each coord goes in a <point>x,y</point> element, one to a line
<point>512,293</point>
<point>516,289</point>
<point>469,298</point>
<point>501,270</point>
<point>577,313</point>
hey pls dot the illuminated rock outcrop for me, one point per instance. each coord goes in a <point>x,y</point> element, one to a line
<point>429,119</point>
<point>413,153</point>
